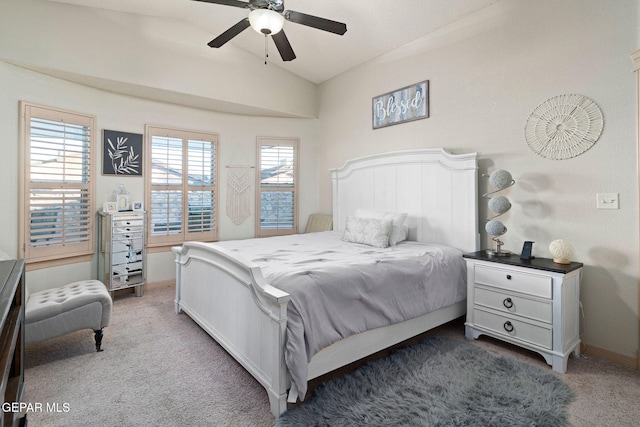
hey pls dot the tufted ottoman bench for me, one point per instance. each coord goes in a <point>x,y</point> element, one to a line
<point>69,308</point>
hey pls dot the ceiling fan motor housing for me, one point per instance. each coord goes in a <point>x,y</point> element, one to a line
<point>266,21</point>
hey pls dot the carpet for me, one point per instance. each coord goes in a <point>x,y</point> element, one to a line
<point>437,382</point>
<point>158,369</point>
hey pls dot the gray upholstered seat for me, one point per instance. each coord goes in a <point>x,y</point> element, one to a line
<point>54,312</point>
<point>319,222</point>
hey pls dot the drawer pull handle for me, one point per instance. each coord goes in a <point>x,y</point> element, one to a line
<point>508,326</point>
<point>508,277</point>
<point>508,303</point>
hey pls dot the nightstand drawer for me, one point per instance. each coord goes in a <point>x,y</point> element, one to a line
<point>126,245</point>
<point>516,329</point>
<point>126,232</point>
<point>128,256</point>
<point>124,280</point>
<point>134,221</point>
<point>126,268</point>
<point>505,302</point>
<point>532,284</point>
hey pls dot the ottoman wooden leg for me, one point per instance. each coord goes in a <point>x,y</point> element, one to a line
<point>98,339</point>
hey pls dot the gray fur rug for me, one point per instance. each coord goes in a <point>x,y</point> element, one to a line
<point>437,382</point>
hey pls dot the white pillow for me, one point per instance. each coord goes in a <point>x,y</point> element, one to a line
<point>399,231</point>
<point>369,231</point>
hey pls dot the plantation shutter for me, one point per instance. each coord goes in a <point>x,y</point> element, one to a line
<point>277,181</point>
<point>182,186</point>
<point>201,167</point>
<point>165,209</point>
<point>58,199</point>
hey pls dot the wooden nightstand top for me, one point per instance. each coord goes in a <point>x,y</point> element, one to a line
<point>545,264</point>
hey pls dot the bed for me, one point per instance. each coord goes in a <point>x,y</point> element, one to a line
<point>236,291</point>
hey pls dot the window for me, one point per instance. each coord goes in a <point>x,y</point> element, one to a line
<point>277,183</point>
<point>57,185</point>
<point>181,188</point>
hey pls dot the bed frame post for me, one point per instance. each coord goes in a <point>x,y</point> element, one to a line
<point>280,381</point>
<point>178,251</point>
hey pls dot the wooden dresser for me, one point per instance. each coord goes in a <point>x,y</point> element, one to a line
<point>12,302</point>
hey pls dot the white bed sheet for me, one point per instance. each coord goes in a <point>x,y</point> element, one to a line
<point>339,289</point>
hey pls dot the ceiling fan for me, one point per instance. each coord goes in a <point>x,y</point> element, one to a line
<point>267,17</point>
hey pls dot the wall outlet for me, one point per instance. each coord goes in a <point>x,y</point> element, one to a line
<point>607,201</point>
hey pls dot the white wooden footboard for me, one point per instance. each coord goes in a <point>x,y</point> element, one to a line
<point>229,298</point>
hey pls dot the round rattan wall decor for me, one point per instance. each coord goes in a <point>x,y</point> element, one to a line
<point>563,127</point>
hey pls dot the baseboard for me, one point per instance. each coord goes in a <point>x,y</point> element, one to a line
<point>631,362</point>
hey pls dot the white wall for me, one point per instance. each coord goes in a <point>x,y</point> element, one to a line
<point>487,74</point>
<point>237,144</point>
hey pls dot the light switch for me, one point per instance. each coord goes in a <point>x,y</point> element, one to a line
<point>607,201</point>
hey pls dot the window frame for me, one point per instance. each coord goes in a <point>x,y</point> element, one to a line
<point>284,142</point>
<point>64,253</point>
<point>163,242</point>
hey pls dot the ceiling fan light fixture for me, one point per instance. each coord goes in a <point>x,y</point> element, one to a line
<point>266,21</point>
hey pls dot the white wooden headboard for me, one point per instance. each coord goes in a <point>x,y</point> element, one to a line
<point>437,189</point>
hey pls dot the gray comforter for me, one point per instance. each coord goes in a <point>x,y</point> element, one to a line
<point>339,289</point>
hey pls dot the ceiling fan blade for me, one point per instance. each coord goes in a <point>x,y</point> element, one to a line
<point>234,3</point>
<point>316,22</point>
<point>230,33</point>
<point>283,45</point>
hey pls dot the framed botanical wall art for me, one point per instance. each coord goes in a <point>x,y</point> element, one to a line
<point>402,105</point>
<point>121,153</point>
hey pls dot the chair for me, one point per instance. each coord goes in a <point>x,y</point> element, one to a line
<point>58,311</point>
<point>319,222</point>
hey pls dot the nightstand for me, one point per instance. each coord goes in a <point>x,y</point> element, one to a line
<point>534,304</point>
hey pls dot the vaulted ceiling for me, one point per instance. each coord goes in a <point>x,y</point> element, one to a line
<point>374,27</point>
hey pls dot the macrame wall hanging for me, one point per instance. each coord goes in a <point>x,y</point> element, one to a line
<point>239,195</point>
<point>239,178</point>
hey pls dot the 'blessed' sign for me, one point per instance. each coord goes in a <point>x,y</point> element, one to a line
<point>402,105</point>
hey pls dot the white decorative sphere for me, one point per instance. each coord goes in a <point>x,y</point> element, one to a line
<point>500,179</point>
<point>499,204</point>
<point>495,228</point>
<point>561,251</point>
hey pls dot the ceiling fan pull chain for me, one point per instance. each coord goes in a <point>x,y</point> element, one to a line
<point>266,49</point>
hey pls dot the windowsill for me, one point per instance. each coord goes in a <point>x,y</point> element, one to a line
<point>38,265</point>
